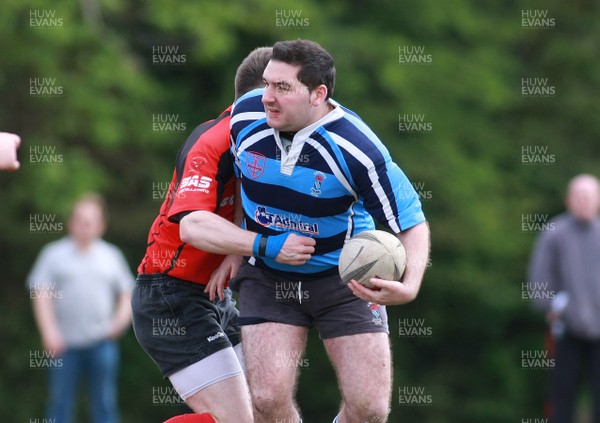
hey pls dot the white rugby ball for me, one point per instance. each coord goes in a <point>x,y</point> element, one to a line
<point>372,254</point>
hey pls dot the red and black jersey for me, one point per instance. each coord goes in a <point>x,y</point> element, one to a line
<point>203,179</point>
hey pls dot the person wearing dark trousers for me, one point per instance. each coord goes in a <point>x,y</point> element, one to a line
<point>566,265</point>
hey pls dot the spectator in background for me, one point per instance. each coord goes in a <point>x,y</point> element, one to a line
<point>9,143</point>
<point>80,286</point>
<point>566,264</point>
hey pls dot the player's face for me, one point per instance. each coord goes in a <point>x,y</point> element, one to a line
<point>288,102</point>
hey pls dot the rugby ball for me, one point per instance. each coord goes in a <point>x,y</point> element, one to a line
<point>372,254</point>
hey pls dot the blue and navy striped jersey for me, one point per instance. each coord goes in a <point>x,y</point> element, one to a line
<point>336,178</point>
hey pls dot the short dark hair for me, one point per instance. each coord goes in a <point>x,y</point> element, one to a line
<point>316,64</point>
<point>249,74</point>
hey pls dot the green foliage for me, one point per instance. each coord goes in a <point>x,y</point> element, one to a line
<point>469,166</point>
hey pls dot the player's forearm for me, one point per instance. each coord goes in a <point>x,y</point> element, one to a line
<point>209,232</point>
<point>416,243</point>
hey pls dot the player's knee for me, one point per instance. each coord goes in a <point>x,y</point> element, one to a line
<point>267,400</point>
<point>374,411</point>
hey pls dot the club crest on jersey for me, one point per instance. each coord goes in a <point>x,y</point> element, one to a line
<point>255,164</point>
<point>197,162</point>
<point>315,191</point>
<point>286,222</point>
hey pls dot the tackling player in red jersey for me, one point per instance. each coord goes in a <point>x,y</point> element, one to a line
<point>192,336</point>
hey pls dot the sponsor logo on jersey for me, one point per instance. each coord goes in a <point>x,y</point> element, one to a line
<point>195,184</point>
<point>255,164</point>
<point>287,222</point>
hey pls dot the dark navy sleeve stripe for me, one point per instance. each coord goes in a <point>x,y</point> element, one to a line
<point>246,110</point>
<point>322,136</point>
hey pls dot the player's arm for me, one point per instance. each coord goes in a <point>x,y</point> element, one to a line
<point>231,264</point>
<point>416,243</point>
<point>210,232</point>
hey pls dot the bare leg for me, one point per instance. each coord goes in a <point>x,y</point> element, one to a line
<point>272,352</point>
<point>363,366</point>
<point>228,401</point>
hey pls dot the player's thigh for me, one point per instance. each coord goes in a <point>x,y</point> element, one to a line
<point>216,385</point>
<point>227,400</point>
<point>363,365</point>
<point>272,352</point>
<point>176,323</point>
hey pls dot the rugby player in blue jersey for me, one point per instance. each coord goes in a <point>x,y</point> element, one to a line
<point>312,176</point>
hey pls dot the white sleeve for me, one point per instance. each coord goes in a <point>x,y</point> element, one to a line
<point>41,275</point>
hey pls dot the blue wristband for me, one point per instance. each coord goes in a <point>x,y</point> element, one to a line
<point>275,244</point>
<point>256,245</point>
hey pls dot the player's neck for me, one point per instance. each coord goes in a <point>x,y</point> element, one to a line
<point>324,110</point>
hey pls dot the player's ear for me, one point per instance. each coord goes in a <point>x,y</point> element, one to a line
<point>318,95</point>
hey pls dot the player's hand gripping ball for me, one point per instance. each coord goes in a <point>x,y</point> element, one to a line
<point>372,254</point>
